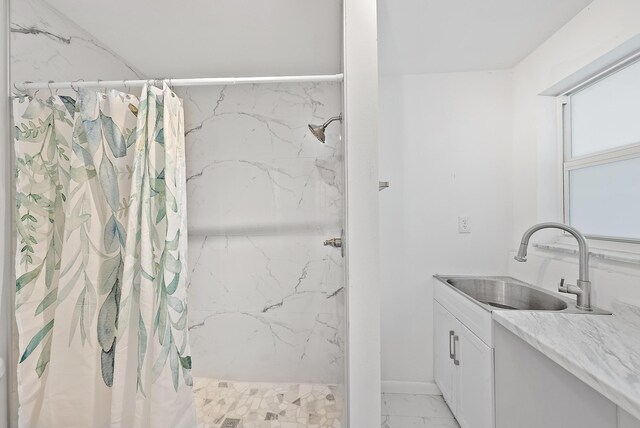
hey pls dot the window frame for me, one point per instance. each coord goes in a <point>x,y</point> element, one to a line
<point>570,163</point>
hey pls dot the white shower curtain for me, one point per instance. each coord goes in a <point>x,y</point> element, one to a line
<point>101,300</point>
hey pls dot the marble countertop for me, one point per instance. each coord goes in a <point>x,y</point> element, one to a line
<point>601,350</point>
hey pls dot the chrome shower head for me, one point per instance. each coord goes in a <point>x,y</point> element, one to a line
<point>318,130</point>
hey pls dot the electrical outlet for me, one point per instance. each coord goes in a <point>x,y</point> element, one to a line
<point>464,224</point>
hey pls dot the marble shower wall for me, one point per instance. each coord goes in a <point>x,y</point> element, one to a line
<point>46,45</point>
<point>266,297</point>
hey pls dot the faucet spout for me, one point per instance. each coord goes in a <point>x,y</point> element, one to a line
<point>583,290</point>
<point>522,252</point>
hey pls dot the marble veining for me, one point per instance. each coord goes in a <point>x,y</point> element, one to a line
<point>416,411</point>
<point>601,350</point>
<point>221,404</point>
<point>265,307</point>
<point>252,165</point>
<point>46,45</point>
<point>266,298</point>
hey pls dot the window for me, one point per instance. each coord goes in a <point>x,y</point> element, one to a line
<point>601,122</point>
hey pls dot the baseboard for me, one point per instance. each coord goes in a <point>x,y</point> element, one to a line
<point>419,388</point>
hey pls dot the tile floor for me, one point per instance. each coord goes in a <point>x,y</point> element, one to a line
<point>226,404</point>
<point>416,411</point>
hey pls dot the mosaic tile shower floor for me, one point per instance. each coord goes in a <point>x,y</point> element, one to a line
<point>226,404</point>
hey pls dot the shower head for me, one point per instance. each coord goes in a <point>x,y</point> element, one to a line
<point>318,130</point>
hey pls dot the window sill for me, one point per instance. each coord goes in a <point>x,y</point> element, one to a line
<point>620,256</point>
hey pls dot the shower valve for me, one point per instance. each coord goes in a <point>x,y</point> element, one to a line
<point>333,242</point>
<point>336,242</point>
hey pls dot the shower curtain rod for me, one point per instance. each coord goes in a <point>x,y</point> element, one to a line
<point>206,81</point>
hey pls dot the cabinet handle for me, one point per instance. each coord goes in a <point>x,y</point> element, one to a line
<point>456,361</point>
<point>451,353</point>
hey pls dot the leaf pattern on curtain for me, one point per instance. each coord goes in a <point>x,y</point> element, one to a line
<point>42,186</point>
<point>156,251</point>
<point>101,232</point>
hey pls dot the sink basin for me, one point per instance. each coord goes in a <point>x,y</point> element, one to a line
<point>502,294</point>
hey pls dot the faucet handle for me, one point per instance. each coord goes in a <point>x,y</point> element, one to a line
<point>569,288</point>
<point>561,287</point>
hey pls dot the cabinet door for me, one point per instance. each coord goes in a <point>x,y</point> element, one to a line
<point>533,392</point>
<point>444,371</point>
<point>474,392</point>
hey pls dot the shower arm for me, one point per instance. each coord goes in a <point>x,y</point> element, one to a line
<point>333,119</point>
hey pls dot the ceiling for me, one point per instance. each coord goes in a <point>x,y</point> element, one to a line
<point>432,36</point>
<point>202,38</point>
<point>216,38</point>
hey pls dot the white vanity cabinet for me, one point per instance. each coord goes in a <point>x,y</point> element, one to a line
<point>492,378</point>
<point>463,362</point>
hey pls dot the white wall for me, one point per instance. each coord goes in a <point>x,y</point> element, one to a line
<point>361,132</point>
<point>597,30</point>
<point>445,148</point>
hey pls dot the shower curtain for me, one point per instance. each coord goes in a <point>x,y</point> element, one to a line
<point>101,303</point>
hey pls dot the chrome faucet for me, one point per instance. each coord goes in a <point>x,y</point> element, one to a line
<point>583,289</point>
